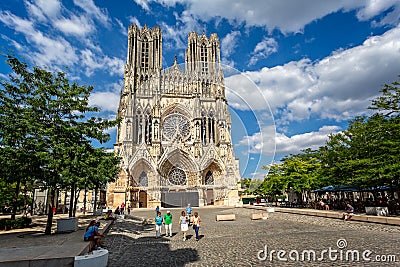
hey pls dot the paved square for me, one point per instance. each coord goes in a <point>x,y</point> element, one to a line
<point>243,242</point>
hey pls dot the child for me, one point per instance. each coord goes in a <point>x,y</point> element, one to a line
<point>159,221</point>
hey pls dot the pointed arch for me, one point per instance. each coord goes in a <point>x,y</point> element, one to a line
<point>141,172</point>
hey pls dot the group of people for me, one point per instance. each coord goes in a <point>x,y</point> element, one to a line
<point>93,235</point>
<point>185,220</point>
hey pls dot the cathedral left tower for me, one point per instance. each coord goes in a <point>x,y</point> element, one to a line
<point>144,62</point>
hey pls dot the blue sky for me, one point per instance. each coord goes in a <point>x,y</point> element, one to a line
<point>302,68</point>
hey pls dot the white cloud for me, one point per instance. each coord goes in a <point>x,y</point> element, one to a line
<point>229,43</point>
<point>373,8</point>
<point>76,25</point>
<point>287,16</point>
<point>338,87</point>
<point>143,4</point>
<point>49,8</point>
<point>122,28</point>
<point>174,37</point>
<point>263,49</point>
<point>134,20</point>
<point>280,144</point>
<point>93,62</point>
<point>49,51</point>
<point>90,8</point>
<point>35,11</point>
<point>107,101</point>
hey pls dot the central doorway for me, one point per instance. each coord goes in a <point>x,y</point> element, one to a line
<point>179,199</point>
<point>142,199</point>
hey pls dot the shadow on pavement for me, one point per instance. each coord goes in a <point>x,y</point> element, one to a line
<point>144,250</point>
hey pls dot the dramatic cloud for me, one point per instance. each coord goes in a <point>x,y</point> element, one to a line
<point>49,51</point>
<point>287,16</point>
<point>95,12</point>
<point>229,42</point>
<point>48,8</point>
<point>337,87</point>
<point>264,143</point>
<point>263,49</point>
<point>76,25</point>
<point>92,62</point>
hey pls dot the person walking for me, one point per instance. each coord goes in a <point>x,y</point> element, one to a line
<point>157,210</point>
<point>183,221</point>
<point>196,224</point>
<point>159,221</point>
<point>122,208</point>
<point>188,210</point>
<point>189,213</point>
<point>168,223</point>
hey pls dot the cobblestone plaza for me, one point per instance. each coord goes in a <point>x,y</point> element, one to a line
<point>254,243</point>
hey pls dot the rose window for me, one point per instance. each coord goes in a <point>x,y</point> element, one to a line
<point>176,125</point>
<point>177,177</point>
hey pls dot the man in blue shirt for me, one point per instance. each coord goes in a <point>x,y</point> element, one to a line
<point>188,210</point>
<point>92,234</point>
<point>189,213</point>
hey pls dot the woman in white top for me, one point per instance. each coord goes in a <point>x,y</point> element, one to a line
<point>183,221</point>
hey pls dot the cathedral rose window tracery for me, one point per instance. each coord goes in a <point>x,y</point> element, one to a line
<point>177,176</point>
<point>176,125</point>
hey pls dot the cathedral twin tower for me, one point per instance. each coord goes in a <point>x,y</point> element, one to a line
<point>174,137</point>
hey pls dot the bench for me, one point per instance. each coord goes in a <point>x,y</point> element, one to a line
<point>226,217</point>
<point>258,216</point>
<point>98,258</point>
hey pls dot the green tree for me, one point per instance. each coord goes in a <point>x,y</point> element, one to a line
<point>55,122</point>
<point>299,173</point>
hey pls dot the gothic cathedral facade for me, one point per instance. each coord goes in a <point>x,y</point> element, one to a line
<point>174,137</point>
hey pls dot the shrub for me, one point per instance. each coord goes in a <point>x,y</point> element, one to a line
<point>19,223</point>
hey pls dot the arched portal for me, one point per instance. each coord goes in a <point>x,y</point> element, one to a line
<point>211,176</point>
<point>141,176</point>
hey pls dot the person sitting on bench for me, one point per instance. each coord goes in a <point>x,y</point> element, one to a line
<point>92,234</point>
<point>349,212</point>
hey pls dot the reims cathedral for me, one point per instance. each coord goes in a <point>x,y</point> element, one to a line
<point>174,137</point>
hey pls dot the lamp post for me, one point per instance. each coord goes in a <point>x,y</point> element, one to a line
<point>128,188</point>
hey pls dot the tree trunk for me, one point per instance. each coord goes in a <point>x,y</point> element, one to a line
<point>50,212</point>
<point>76,197</point>
<point>95,199</point>
<point>71,201</point>
<point>15,204</point>
<point>84,202</point>
<point>65,199</point>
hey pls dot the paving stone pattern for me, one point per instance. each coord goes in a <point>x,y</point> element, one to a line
<point>237,243</point>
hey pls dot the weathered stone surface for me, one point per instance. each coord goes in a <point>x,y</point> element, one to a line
<point>256,216</point>
<point>226,217</point>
